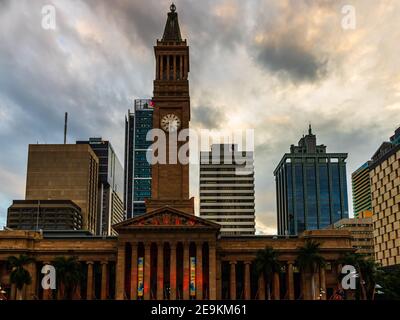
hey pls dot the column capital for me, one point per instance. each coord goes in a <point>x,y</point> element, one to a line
<point>133,243</point>
<point>212,245</point>
<point>104,262</point>
<point>247,262</point>
<point>160,242</point>
<point>232,262</point>
<point>147,244</point>
<point>89,262</point>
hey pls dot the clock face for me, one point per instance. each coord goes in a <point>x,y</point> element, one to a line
<point>170,122</point>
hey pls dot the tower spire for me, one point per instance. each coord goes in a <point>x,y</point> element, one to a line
<point>309,129</point>
<point>172,31</point>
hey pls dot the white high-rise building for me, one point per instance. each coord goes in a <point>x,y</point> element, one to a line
<point>227,189</point>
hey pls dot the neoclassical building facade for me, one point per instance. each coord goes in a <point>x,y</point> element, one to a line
<point>178,256</point>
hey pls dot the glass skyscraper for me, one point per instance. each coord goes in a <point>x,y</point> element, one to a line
<point>137,169</point>
<point>311,187</point>
<point>361,187</point>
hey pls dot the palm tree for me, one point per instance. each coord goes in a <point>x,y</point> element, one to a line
<point>19,275</point>
<point>310,260</point>
<point>267,264</point>
<point>370,274</point>
<point>69,275</point>
<point>366,271</point>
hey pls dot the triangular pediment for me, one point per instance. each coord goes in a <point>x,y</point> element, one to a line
<point>166,218</point>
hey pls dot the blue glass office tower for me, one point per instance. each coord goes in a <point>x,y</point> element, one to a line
<point>311,187</point>
<point>137,169</point>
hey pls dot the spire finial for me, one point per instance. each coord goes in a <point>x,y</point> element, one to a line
<point>172,31</point>
<point>309,129</point>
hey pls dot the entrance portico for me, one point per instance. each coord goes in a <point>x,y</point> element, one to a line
<point>166,254</point>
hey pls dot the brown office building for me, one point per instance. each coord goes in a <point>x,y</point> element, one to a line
<point>361,230</point>
<point>64,172</point>
<point>385,191</point>
<point>169,253</point>
<point>44,215</point>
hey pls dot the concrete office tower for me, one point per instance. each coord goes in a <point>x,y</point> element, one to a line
<point>62,215</point>
<point>65,172</point>
<point>110,207</point>
<point>311,187</point>
<point>361,187</point>
<point>385,192</point>
<point>227,189</point>
<point>137,185</point>
<point>361,230</point>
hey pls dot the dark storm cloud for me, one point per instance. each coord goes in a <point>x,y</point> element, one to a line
<point>139,21</point>
<point>145,21</point>
<point>208,117</point>
<point>287,41</point>
<point>291,61</point>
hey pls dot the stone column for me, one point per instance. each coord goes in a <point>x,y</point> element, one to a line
<point>120,273</point>
<point>13,292</point>
<point>290,280</point>
<point>276,286</point>
<point>323,282</point>
<point>247,289</point>
<point>134,271</point>
<point>31,289</point>
<point>212,277</point>
<point>305,285</point>
<point>76,295</point>
<point>219,279</point>
<point>186,270</point>
<point>168,65</point>
<point>232,276</point>
<point>147,271</point>
<point>172,271</point>
<point>104,276</point>
<point>161,67</point>
<point>89,283</point>
<point>199,271</point>
<point>261,287</point>
<point>160,270</point>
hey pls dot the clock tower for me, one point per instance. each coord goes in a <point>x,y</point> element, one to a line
<point>170,180</point>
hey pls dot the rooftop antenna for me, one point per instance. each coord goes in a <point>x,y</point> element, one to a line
<point>65,127</point>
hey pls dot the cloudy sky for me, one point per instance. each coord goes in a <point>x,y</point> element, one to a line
<point>268,65</point>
